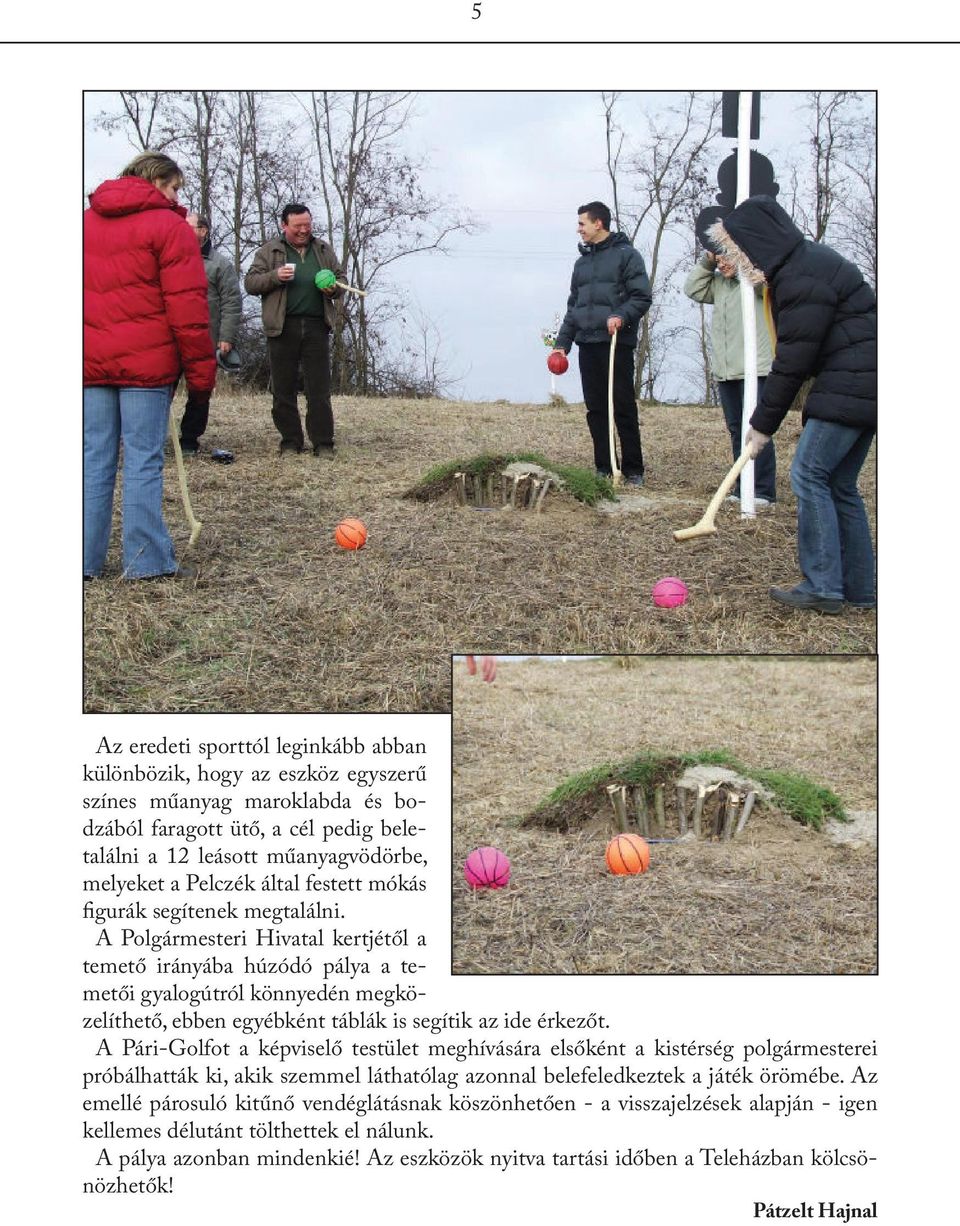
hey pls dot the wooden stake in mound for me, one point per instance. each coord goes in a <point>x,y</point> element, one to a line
<point>195,524</point>
<point>704,526</point>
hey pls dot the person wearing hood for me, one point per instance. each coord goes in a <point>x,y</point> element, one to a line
<point>713,281</point>
<point>145,321</point>
<point>609,293</point>
<point>226,311</point>
<point>825,319</point>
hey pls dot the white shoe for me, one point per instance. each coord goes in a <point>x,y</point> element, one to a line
<point>762,502</point>
<point>732,498</point>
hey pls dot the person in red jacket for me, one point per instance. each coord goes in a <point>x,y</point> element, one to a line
<point>145,321</point>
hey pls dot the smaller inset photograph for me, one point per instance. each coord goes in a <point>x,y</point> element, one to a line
<point>664,815</point>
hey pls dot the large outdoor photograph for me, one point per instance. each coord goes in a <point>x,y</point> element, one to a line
<point>450,371</point>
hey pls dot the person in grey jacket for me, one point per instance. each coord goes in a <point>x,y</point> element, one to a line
<point>714,281</point>
<point>609,292</point>
<point>226,311</point>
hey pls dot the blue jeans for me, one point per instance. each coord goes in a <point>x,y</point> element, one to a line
<point>833,536</point>
<point>765,465</point>
<point>138,416</point>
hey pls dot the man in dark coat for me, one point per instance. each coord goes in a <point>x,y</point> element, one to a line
<point>609,292</point>
<point>825,317</point>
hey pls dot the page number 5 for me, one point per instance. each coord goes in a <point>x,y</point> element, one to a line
<point>476,11</point>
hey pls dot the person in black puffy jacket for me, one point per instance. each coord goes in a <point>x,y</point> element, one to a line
<point>609,292</point>
<point>825,316</point>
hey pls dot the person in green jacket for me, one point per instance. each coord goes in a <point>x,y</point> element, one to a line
<point>713,281</point>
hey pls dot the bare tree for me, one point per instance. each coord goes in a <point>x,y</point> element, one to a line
<point>419,368</point>
<point>377,213</point>
<point>615,139</point>
<point>193,124</point>
<point>832,124</point>
<point>857,213</point>
<point>244,157</point>
<point>833,188</point>
<point>139,117</point>
<point>661,177</point>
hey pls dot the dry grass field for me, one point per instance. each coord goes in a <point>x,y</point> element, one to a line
<point>781,898</point>
<point>281,619</point>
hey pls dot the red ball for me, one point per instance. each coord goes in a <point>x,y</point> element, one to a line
<point>557,363</point>
<point>486,866</point>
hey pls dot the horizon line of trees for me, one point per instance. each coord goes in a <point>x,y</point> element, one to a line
<point>248,153</point>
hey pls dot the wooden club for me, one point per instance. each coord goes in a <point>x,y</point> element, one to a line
<point>705,526</point>
<point>195,524</point>
<point>616,474</point>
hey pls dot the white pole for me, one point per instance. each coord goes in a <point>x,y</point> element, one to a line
<point>748,306</point>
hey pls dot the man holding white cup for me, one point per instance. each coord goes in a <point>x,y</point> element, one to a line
<point>298,319</point>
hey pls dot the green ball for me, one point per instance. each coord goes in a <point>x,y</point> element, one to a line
<point>324,279</point>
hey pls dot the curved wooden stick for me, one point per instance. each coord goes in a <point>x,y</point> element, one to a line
<point>195,524</point>
<point>352,289</point>
<point>704,526</point>
<point>616,474</point>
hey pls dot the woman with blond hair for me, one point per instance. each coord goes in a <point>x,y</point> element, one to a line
<point>145,321</point>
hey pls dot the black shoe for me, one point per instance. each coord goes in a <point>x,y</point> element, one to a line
<point>805,600</point>
<point>183,571</point>
<point>187,449</point>
<point>292,448</point>
<point>327,450</point>
<point>634,479</point>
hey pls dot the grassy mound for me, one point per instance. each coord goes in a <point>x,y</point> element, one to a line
<point>578,797</point>
<point>582,483</point>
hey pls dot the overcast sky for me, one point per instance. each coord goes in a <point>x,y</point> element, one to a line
<point>522,162</point>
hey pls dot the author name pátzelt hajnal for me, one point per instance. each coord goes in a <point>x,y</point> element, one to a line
<point>816,1209</point>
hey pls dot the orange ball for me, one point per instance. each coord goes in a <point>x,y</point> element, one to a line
<point>351,534</point>
<point>628,853</point>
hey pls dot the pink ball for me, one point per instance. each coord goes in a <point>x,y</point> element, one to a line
<point>668,593</point>
<point>486,866</point>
